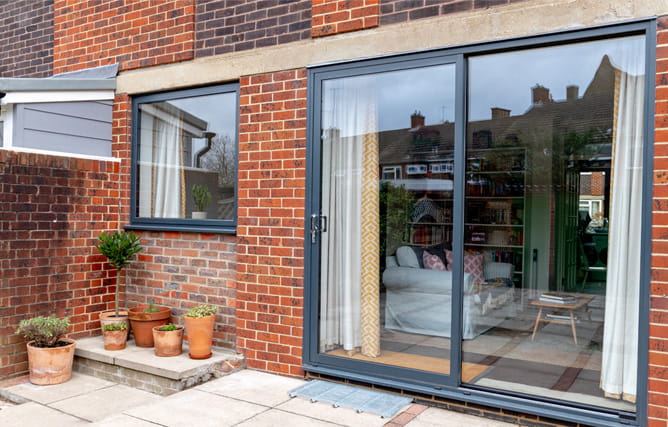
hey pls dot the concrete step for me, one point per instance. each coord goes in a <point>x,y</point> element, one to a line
<point>140,368</point>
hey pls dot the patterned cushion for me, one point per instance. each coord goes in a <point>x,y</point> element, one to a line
<point>432,262</point>
<point>473,264</point>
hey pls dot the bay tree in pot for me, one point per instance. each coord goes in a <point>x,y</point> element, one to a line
<point>199,330</point>
<point>118,247</point>
<point>50,353</point>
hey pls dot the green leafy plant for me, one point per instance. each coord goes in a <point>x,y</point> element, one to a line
<point>119,248</point>
<point>168,328</point>
<point>45,330</point>
<point>202,196</point>
<point>115,327</point>
<point>201,310</point>
<point>151,308</point>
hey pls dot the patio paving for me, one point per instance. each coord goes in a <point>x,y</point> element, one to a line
<point>244,398</point>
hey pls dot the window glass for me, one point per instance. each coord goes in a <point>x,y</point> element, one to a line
<point>187,157</point>
<point>553,213</point>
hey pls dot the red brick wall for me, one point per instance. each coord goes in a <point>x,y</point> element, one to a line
<point>230,25</point>
<point>91,33</point>
<point>394,11</point>
<point>331,17</point>
<point>51,212</point>
<point>26,37</point>
<point>270,234</point>
<point>181,270</point>
<point>658,329</point>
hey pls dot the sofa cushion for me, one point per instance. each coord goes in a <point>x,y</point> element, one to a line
<point>473,264</point>
<point>407,258</point>
<point>432,262</point>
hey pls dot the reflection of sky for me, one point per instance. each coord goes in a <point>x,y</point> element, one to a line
<point>430,90</point>
<point>219,111</point>
<point>505,80</point>
<point>499,80</point>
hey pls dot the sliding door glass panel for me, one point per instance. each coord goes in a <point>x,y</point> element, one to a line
<point>386,201</point>
<point>552,221</point>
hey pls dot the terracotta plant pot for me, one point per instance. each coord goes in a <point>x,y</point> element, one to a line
<point>107,317</point>
<point>115,340</point>
<point>168,343</point>
<point>51,365</point>
<point>199,333</point>
<point>143,323</point>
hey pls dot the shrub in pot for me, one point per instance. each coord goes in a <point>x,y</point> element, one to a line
<point>50,353</point>
<point>202,198</point>
<point>168,340</point>
<point>144,318</point>
<point>119,248</point>
<point>115,335</point>
<point>199,328</point>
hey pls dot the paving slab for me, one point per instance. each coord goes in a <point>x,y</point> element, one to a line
<point>326,412</point>
<point>436,417</point>
<point>253,386</point>
<point>275,418</point>
<point>99,404</point>
<point>122,420</point>
<point>196,408</point>
<point>78,385</point>
<point>33,414</point>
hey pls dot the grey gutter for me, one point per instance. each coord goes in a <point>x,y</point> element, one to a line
<point>50,84</point>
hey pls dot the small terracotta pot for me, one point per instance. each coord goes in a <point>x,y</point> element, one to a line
<point>199,333</point>
<point>143,323</point>
<point>168,343</point>
<point>115,340</point>
<point>107,317</point>
<point>51,365</point>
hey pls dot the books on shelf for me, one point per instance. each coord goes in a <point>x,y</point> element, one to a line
<point>558,298</point>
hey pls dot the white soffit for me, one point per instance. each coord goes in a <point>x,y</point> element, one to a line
<point>56,96</point>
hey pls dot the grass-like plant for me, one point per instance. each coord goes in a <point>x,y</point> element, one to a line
<point>168,328</point>
<point>202,196</point>
<point>151,308</point>
<point>45,330</point>
<point>119,248</point>
<point>201,310</point>
<point>121,326</point>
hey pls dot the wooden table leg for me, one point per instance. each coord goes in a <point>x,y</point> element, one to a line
<point>575,337</point>
<point>535,327</point>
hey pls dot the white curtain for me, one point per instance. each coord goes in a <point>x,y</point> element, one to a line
<point>167,185</point>
<point>349,123</point>
<point>620,337</point>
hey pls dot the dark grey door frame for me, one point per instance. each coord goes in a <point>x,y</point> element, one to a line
<point>449,386</point>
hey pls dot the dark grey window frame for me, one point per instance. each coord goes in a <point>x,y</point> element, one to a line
<point>450,386</point>
<point>178,224</point>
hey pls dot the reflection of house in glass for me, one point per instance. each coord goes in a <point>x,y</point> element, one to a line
<point>529,162</point>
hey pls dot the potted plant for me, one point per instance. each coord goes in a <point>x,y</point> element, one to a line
<point>168,340</point>
<point>202,198</point>
<point>115,335</point>
<point>199,327</point>
<point>144,318</point>
<point>119,248</point>
<point>50,353</point>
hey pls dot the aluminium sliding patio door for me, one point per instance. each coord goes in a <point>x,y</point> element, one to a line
<point>385,203</point>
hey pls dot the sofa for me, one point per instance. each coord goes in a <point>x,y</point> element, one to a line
<point>418,299</point>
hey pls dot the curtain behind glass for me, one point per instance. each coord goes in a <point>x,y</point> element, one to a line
<point>620,338</point>
<point>349,257</point>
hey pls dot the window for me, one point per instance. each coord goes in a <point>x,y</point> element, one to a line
<point>392,172</point>
<point>185,159</point>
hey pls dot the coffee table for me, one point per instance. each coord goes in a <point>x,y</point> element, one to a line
<point>582,302</point>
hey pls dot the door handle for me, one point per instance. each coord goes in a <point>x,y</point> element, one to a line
<point>318,224</point>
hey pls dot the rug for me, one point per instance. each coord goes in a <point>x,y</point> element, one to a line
<point>414,361</point>
<point>362,400</point>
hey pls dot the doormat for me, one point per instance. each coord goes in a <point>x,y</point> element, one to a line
<point>341,395</point>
